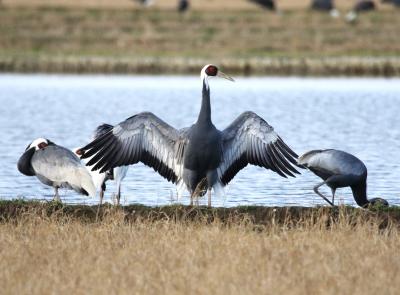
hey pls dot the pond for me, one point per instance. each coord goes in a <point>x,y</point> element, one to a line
<point>358,115</point>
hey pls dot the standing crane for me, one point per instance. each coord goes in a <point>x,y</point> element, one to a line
<point>198,156</point>
<point>56,166</point>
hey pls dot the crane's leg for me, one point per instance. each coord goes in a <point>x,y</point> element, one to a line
<point>191,198</point>
<point>209,198</point>
<point>118,194</point>
<point>101,197</point>
<point>56,195</point>
<point>102,190</point>
<point>333,195</point>
<point>321,195</point>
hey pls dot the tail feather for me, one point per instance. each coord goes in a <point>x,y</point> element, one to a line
<point>85,182</point>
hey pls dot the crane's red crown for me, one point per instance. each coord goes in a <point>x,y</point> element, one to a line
<point>211,70</point>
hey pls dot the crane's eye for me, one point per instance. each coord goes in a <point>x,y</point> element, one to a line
<point>211,70</point>
<point>42,145</point>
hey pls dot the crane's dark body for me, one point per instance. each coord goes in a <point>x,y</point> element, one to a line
<point>203,153</point>
<point>339,169</point>
<point>364,5</point>
<point>183,5</point>
<point>266,4</point>
<point>322,5</point>
<point>396,3</point>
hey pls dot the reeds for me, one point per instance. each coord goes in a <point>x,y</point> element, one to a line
<point>47,248</point>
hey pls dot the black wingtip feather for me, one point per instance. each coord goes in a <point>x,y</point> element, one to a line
<point>285,166</point>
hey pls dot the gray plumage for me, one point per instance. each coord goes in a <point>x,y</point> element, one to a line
<point>191,155</point>
<point>55,166</point>
<point>339,169</point>
<point>100,178</point>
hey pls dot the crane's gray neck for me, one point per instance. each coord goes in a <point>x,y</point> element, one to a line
<point>24,163</point>
<point>360,193</point>
<point>205,110</point>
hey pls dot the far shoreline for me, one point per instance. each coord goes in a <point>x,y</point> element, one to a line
<point>309,67</point>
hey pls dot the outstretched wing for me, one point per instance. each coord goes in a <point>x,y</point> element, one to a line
<point>101,130</point>
<point>251,140</point>
<point>143,137</point>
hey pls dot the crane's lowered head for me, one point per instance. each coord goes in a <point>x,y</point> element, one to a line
<point>39,143</point>
<point>377,202</point>
<point>213,71</point>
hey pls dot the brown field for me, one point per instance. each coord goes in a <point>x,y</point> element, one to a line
<point>76,36</point>
<point>46,249</point>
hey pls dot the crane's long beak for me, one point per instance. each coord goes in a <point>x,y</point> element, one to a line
<point>225,76</point>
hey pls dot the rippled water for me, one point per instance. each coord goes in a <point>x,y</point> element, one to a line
<point>360,116</point>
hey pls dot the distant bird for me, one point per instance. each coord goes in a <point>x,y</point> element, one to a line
<point>360,6</point>
<point>267,4</point>
<point>325,5</point>
<point>394,2</point>
<point>100,179</point>
<point>145,2</point>
<point>339,169</point>
<point>56,166</point>
<point>183,5</point>
<point>199,157</point>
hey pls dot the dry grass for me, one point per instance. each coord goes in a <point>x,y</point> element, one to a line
<point>349,252</point>
<point>214,35</point>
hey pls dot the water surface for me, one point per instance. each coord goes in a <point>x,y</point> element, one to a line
<point>360,116</point>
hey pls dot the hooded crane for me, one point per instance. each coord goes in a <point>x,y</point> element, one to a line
<point>200,155</point>
<point>325,5</point>
<point>56,166</point>
<point>396,3</point>
<point>360,6</point>
<point>339,169</point>
<point>99,179</point>
<point>266,4</point>
<point>183,5</point>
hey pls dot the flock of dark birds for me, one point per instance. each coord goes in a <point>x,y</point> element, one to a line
<point>318,5</point>
<point>199,158</point>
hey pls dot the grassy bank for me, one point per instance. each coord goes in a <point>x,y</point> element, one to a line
<point>180,250</point>
<point>257,215</point>
<point>300,42</point>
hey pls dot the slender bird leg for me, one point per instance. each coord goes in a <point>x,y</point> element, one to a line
<point>118,194</point>
<point>56,195</point>
<point>209,198</point>
<point>101,197</point>
<point>191,199</point>
<point>333,195</point>
<point>321,195</point>
<point>102,189</point>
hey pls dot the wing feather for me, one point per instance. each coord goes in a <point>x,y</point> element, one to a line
<point>251,140</point>
<point>141,138</point>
